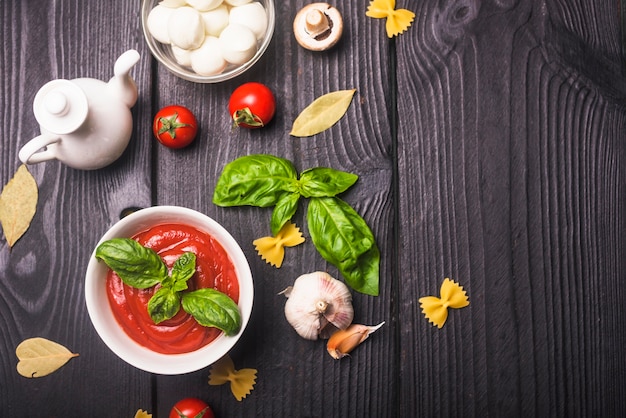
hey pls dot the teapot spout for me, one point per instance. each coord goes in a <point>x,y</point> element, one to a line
<point>122,84</point>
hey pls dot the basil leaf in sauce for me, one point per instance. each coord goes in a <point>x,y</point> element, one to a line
<point>136,265</point>
<point>325,182</point>
<point>255,180</point>
<point>182,270</point>
<point>163,305</point>
<point>213,308</point>
<point>343,239</point>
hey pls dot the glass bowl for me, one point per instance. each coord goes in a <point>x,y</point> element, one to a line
<point>163,52</point>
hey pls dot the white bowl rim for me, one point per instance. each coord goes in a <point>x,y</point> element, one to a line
<point>116,338</point>
<point>189,75</point>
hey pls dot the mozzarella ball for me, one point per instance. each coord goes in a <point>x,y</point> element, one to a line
<point>186,28</point>
<point>238,44</point>
<point>157,23</point>
<point>182,56</point>
<point>208,60</point>
<point>204,5</point>
<point>172,3</point>
<point>215,20</point>
<point>237,2</point>
<point>251,15</point>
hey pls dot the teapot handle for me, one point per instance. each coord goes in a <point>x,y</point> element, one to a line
<point>35,150</point>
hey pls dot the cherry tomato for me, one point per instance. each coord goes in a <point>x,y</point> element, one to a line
<point>252,105</point>
<point>175,126</point>
<point>191,408</point>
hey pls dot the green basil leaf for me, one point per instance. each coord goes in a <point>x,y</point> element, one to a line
<point>168,282</point>
<point>182,270</point>
<point>212,308</point>
<point>325,182</point>
<point>163,305</point>
<point>362,274</point>
<point>283,211</point>
<point>343,239</point>
<point>136,265</point>
<point>255,180</point>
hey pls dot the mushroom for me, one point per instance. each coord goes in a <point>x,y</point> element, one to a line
<point>318,26</point>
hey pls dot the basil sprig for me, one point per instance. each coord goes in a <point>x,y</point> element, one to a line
<point>340,235</point>
<point>141,267</point>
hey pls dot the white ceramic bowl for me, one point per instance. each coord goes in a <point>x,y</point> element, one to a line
<point>163,52</point>
<point>116,338</point>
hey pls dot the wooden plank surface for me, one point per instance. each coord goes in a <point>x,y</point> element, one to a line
<point>41,278</point>
<point>296,377</point>
<point>489,143</point>
<point>512,183</point>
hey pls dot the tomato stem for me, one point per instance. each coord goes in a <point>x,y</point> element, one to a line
<point>170,125</point>
<point>245,116</point>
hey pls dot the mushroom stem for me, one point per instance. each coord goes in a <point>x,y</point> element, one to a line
<point>316,23</point>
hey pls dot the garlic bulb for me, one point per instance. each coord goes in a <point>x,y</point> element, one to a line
<point>317,305</point>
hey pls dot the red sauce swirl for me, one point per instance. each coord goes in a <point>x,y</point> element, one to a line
<point>181,334</point>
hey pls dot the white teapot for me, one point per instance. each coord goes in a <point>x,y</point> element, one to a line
<point>85,123</point>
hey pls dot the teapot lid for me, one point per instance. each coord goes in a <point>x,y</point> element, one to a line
<point>60,106</point>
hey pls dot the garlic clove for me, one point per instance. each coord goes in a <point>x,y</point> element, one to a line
<point>316,303</point>
<point>343,342</point>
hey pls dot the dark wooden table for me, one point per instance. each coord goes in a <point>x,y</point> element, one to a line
<point>489,141</point>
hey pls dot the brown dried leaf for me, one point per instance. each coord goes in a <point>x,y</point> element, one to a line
<point>18,203</point>
<point>39,357</point>
<point>323,113</point>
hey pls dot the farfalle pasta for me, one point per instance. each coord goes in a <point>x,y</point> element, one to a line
<point>241,381</point>
<point>272,249</point>
<point>397,20</point>
<point>436,309</point>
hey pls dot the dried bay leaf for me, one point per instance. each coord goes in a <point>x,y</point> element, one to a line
<point>18,203</point>
<point>322,113</point>
<point>39,357</point>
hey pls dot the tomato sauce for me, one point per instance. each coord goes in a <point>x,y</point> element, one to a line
<point>180,334</point>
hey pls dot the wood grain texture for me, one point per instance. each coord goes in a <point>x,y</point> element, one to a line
<point>488,140</point>
<point>511,168</point>
<point>41,278</point>
<point>295,377</point>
